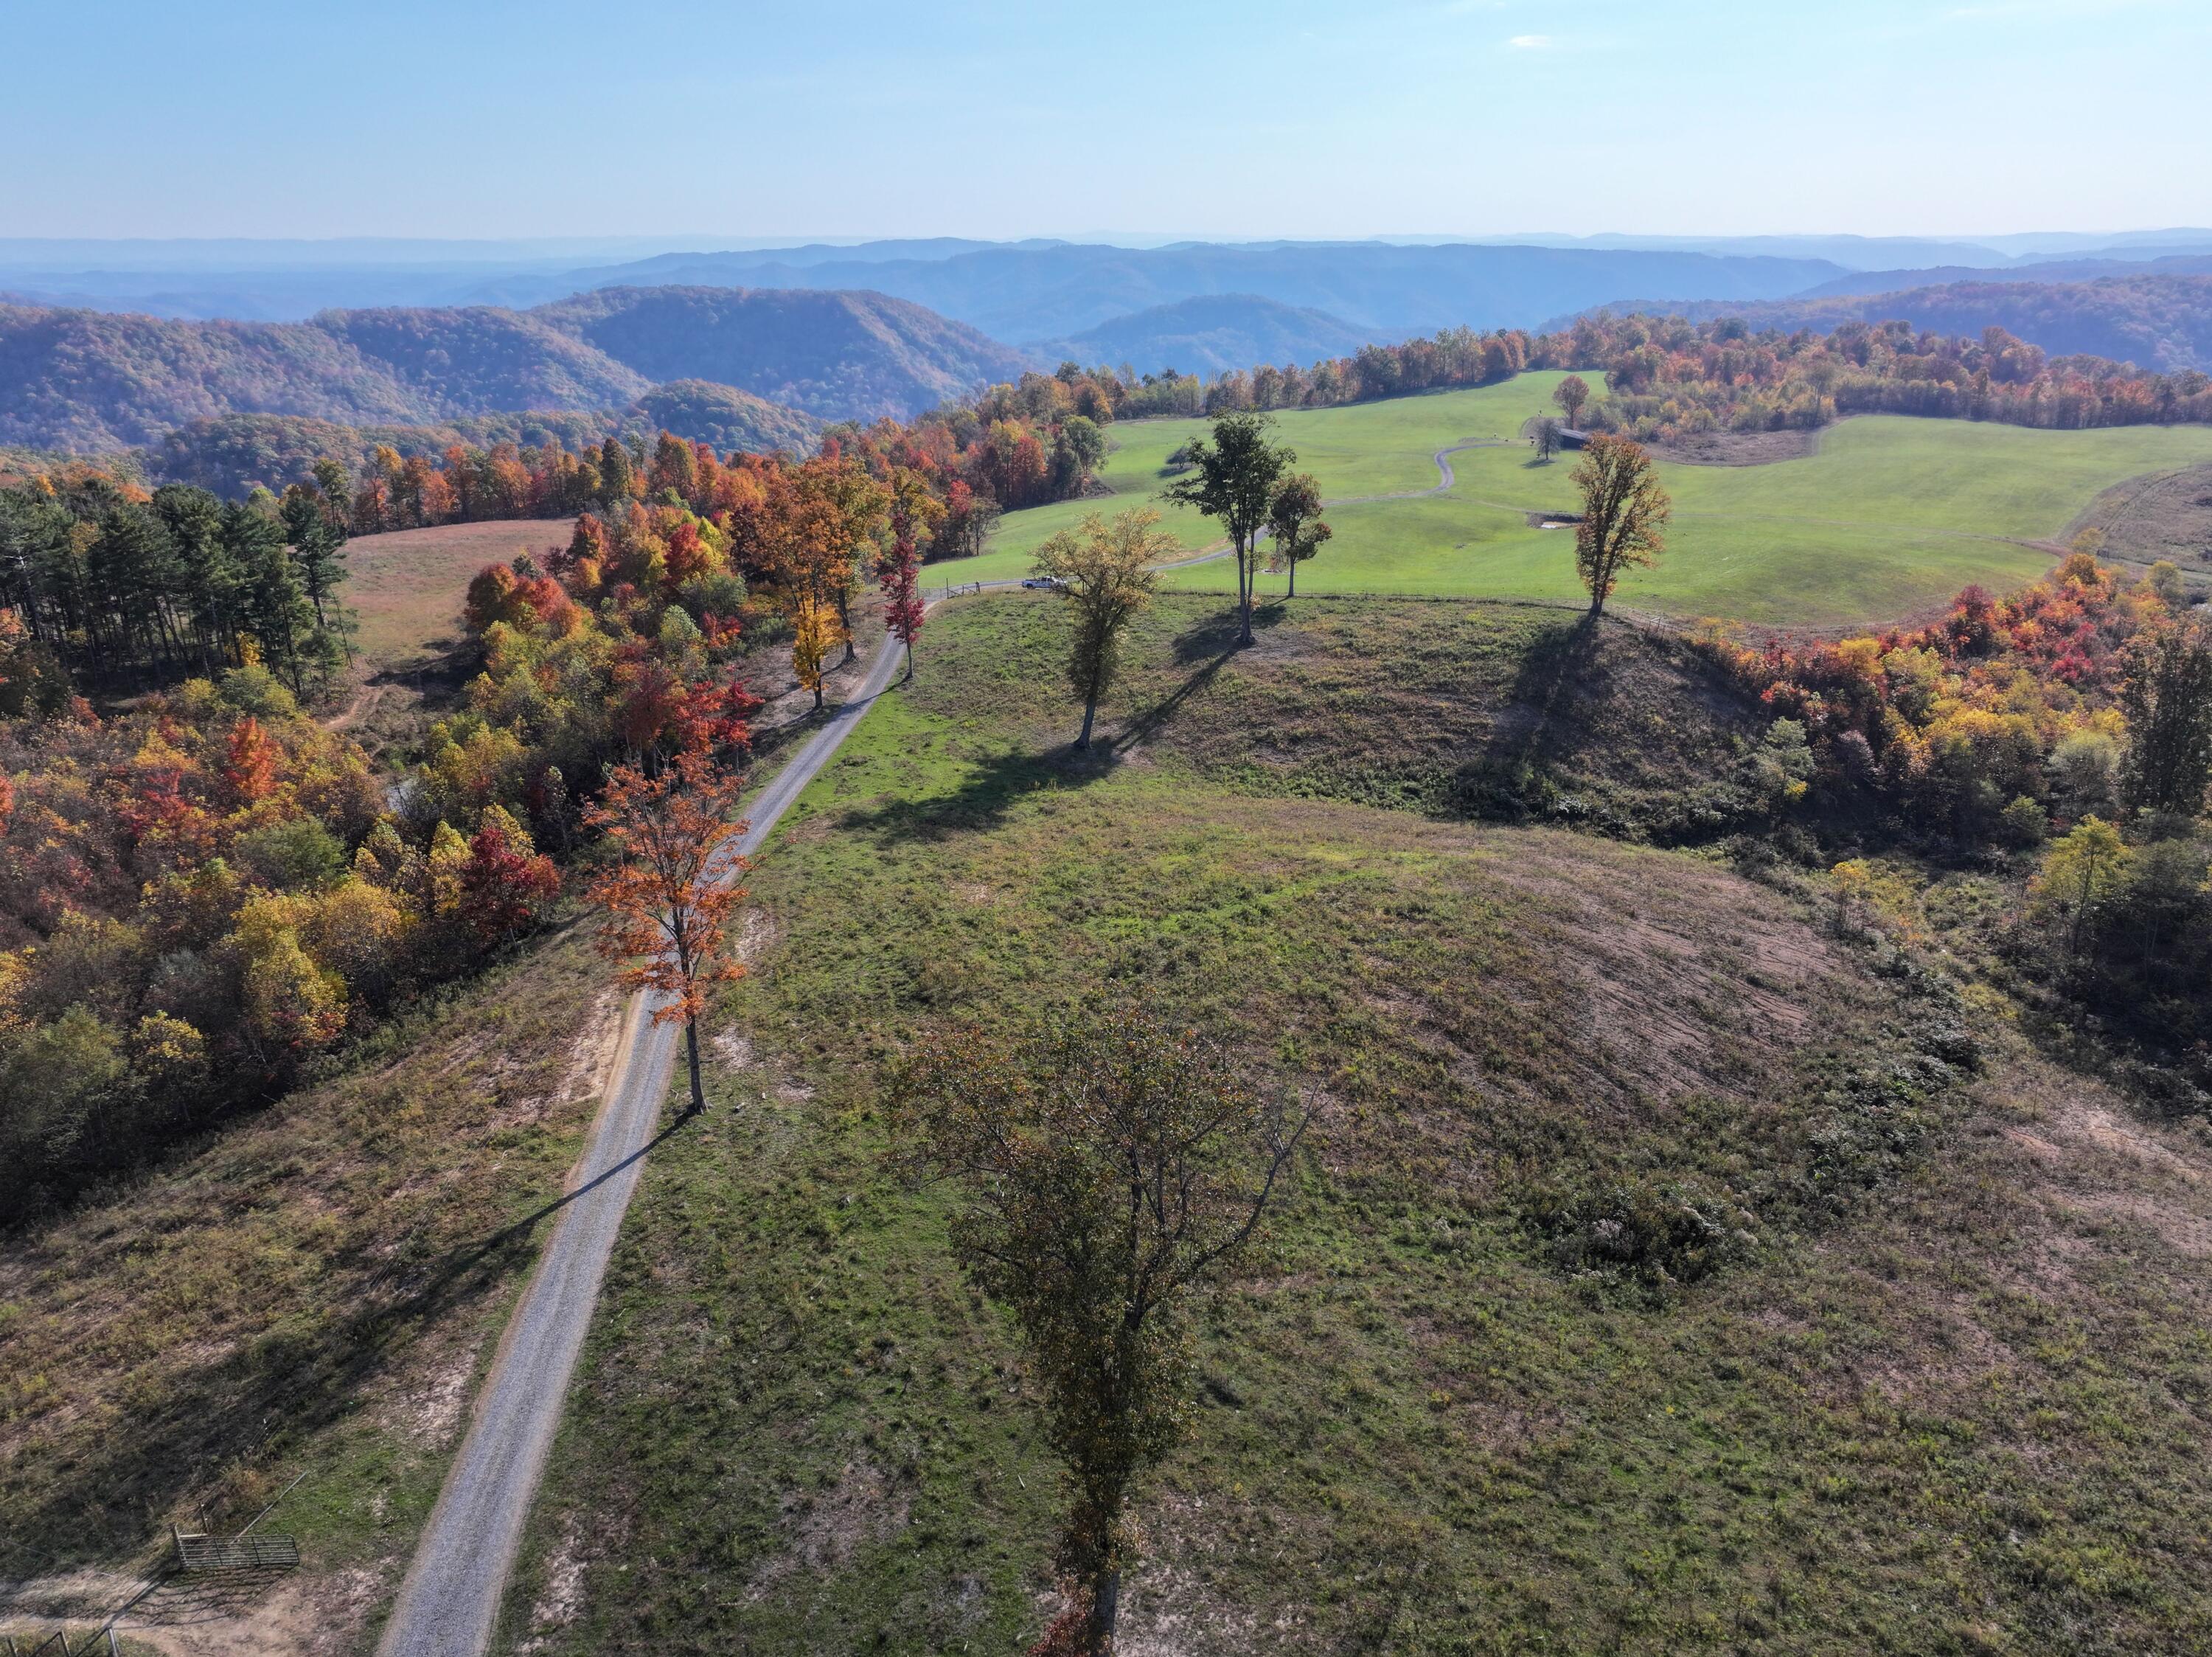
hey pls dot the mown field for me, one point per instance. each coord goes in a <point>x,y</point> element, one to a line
<point>1948,1390</point>
<point>1890,516</point>
<point>405,587</point>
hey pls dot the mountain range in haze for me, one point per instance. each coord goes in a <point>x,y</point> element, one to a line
<point>1018,292</point>
<point>757,348</point>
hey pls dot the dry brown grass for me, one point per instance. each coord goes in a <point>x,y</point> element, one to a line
<point>310,1291</point>
<point>2164,514</point>
<point>407,586</point>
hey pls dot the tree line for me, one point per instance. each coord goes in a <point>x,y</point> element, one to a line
<point>1670,379</point>
<point>109,581</point>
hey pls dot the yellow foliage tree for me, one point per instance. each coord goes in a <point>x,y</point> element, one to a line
<point>814,633</point>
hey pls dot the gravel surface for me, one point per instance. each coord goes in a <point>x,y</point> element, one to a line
<point>451,1594</point>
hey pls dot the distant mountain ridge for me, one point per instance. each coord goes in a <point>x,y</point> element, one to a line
<point>291,281</point>
<point>94,381</point>
<point>1211,334</point>
<point>1058,291</point>
<point>843,355</point>
<point>231,453</point>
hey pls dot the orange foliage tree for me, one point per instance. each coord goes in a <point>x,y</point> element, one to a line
<point>668,897</point>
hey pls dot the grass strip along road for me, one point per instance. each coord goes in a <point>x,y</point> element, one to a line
<point>451,1594</point>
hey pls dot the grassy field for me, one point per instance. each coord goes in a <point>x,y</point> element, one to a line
<point>312,1291</point>
<point>1370,448</point>
<point>1890,517</point>
<point>1947,1393</point>
<point>406,587</point>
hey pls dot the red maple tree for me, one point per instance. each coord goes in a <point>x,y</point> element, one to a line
<point>669,896</point>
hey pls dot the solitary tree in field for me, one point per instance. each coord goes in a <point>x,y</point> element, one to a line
<point>1105,572</point>
<point>1233,480</point>
<point>1294,523</point>
<point>2167,698</point>
<point>1547,438</point>
<point>668,896</point>
<point>1110,1165</point>
<point>1571,393</point>
<point>1624,510</point>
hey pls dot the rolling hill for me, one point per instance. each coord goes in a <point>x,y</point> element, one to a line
<point>1213,333</point>
<point>840,356</point>
<point>233,453</point>
<point>93,383</point>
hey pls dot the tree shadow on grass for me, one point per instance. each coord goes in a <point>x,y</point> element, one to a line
<point>1214,638</point>
<point>1543,723</point>
<point>983,799</point>
<point>263,1402</point>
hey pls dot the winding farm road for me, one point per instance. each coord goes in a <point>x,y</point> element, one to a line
<point>452,1592</point>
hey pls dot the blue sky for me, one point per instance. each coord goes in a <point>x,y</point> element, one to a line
<point>1294,117</point>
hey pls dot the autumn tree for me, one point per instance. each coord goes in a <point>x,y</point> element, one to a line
<point>1624,510</point>
<point>2167,698</point>
<point>1571,393</point>
<point>1233,482</point>
<point>807,533</point>
<point>669,894</point>
<point>1294,523</point>
<point>814,634</point>
<point>2080,874</point>
<point>914,513</point>
<point>1109,1167</point>
<point>1103,570</point>
<point>507,882</point>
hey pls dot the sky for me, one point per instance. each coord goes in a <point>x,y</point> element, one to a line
<point>1235,118</point>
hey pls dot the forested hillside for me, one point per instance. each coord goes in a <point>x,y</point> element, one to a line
<point>232,453</point>
<point>841,356</point>
<point>91,383</point>
<point>2162,322</point>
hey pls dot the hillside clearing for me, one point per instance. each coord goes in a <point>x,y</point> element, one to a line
<point>1418,1430</point>
<point>406,585</point>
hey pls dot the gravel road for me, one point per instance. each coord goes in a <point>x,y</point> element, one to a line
<point>452,1590</point>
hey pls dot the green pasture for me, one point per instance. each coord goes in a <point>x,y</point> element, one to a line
<point>1365,448</point>
<point>1891,515</point>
